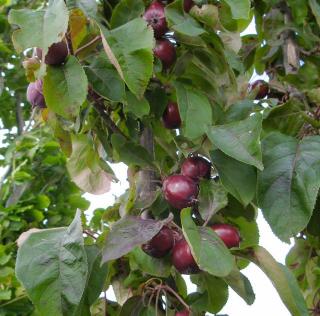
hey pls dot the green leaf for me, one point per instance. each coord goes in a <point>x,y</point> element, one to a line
<point>57,289</point>
<point>84,166</point>
<point>281,278</point>
<point>180,22</point>
<point>127,233</point>
<point>207,248</point>
<point>132,46</point>
<point>125,11</point>
<point>212,198</point>
<point>241,285</point>
<point>289,184</point>
<point>195,110</point>
<point>239,140</point>
<point>232,174</point>
<point>299,9</point>
<point>153,266</point>
<point>39,28</point>
<point>139,107</point>
<point>216,291</point>
<point>104,78</point>
<point>240,9</point>
<point>130,152</point>
<point>89,7</point>
<point>315,8</point>
<point>65,88</point>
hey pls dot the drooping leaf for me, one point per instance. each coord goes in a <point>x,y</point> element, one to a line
<point>207,248</point>
<point>289,184</point>
<point>238,178</point>
<point>127,233</point>
<point>195,110</point>
<point>241,285</point>
<point>132,44</point>
<point>239,140</point>
<point>85,167</point>
<point>281,278</point>
<point>104,78</point>
<point>52,266</point>
<point>212,198</point>
<point>125,11</point>
<point>65,88</point>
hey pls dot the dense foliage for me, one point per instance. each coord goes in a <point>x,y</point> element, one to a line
<point>162,86</point>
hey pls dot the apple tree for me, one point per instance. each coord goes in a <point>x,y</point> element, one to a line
<point>168,88</point>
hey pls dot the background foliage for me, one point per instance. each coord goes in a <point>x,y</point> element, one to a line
<point>110,90</point>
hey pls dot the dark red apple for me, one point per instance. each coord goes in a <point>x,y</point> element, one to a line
<point>57,53</point>
<point>185,312</point>
<point>35,94</point>
<point>166,52</point>
<point>160,244</point>
<point>180,191</point>
<point>182,258</point>
<point>261,87</point>
<point>229,234</point>
<point>171,116</point>
<point>187,5</point>
<point>196,167</point>
<point>155,16</point>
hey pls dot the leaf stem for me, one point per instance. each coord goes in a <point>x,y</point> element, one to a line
<point>93,41</point>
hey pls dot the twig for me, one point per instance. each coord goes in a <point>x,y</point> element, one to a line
<point>174,293</point>
<point>89,233</point>
<point>69,42</point>
<point>98,105</point>
<point>94,40</point>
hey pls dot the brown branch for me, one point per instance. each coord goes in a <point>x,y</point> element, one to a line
<point>99,106</point>
<point>93,41</point>
<point>69,42</point>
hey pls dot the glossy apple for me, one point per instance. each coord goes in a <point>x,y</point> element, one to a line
<point>35,94</point>
<point>180,191</point>
<point>196,167</point>
<point>171,116</point>
<point>155,16</point>
<point>166,52</point>
<point>261,87</point>
<point>229,234</point>
<point>160,244</point>
<point>56,55</point>
<point>182,258</point>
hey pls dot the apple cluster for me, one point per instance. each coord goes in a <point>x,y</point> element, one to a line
<point>181,191</point>
<point>57,54</point>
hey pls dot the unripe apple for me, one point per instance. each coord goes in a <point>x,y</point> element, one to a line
<point>56,55</point>
<point>187,5</point>
<point>261,87</point>
<point>228,234</point>
<point>155,16</point>
<point>166,52</point>
<point>185,312</point>
<point>35,94</point>
<point>171,116</point>
<point>182,258</point>
<point>180,191</point>
<point>160,244</point>
<point>196,168</point>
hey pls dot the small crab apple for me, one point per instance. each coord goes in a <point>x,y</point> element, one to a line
<point>166,52</point>
<point>196,167</point>
<point>171,116</point>
<point>160,244</point>
<point>228,234</point>
<point>182,258</point>
<point>56,55</point>
<point>180,191</point>
<point>185,312</point>
<point>187,5</point>
<point>261,87</point>
<point>35,94</point>
<point>155,16</point>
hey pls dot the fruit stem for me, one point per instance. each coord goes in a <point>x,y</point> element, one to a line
<point>175,294</point>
